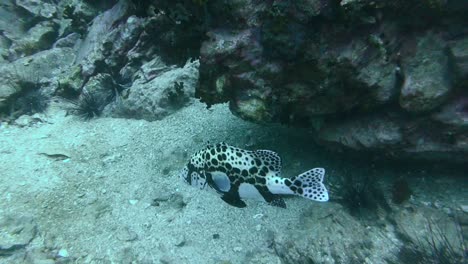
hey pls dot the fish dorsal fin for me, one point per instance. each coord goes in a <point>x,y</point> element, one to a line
<point>270,158</point>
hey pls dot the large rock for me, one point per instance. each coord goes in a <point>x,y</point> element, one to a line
<point>91,50</point>
<point>30,26</point>
<point>349,242</point>
<point>454,114</point>
<point>426,84</point>
<point>4,44</point>
<point>11,27</point>
<point>17,233</point>
<point>458,58</point>
<point>27,71</point>
<point>121,41</point>
<point>364,133</point>
<point>115,64</point>
<point>39,37</point>
<point>158,91</point>
<point>38,8</point>
<point>365,76</point>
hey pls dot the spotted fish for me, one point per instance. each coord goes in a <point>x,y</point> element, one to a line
<point>237,174</point>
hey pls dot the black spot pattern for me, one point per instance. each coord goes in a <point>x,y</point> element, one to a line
<point>270,158</point>
<point>221,157</point>
<point>260,168</point>
<point>253,170</point>
<point>240,165</point>
<point>260,180</point>
<point>309,185</point>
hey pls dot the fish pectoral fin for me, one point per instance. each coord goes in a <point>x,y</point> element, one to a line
<point>233,200</point>
<point>221,182</point>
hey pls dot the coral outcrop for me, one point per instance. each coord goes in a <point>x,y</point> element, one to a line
<point>364,75</point>
<point>388,77</point>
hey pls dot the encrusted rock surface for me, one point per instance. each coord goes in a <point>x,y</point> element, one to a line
<point>363,75</point>
<point>107,50</point>
<point>157,91</point>
<point>16,233</point>
<point>25,73</point>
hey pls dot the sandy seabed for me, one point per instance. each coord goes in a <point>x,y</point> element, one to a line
<point>107,191</point>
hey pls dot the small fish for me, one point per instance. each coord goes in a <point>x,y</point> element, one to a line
<point>237,174</point>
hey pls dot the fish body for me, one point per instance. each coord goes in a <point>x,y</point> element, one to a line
<point>238,174</point>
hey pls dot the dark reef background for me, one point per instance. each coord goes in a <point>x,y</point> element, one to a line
<point>102,102</point>
<point>382,77</point>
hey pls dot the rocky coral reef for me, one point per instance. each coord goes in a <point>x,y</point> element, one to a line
<point>377,76</point>
<point>108,51</point>
<point>384,77</point>
<point>374,76</point>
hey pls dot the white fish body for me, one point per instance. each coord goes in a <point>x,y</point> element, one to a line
<point>239,174</point>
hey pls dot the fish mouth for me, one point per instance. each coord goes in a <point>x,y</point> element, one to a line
<point>184,174</point>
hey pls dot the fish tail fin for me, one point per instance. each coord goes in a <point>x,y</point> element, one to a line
<point>309,185</point>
